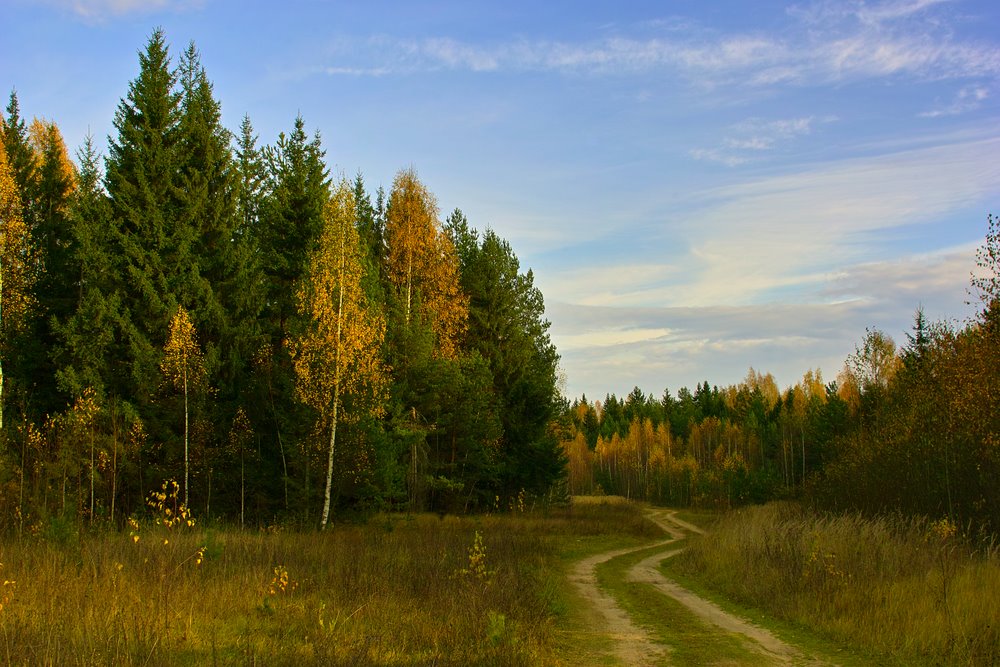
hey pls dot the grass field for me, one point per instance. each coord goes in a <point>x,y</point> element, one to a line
<point>397,591</point>
<point>902,591</point>
<point>492,590</point>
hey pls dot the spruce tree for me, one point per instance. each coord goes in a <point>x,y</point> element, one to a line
<point>19,154</point>
<point>90,342</point>
<point>299,188</point>
<point>149,244</point>
<point>507,326</point>
<point>54,183</point>
<point>291,220</point>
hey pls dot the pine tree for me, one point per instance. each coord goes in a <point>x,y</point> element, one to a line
<point>20,157</point>
<point>54,183</point>
<point>252,176</point>
<point>299,188</point>
<point>224,271</point>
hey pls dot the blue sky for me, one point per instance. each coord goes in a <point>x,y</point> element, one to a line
<point>699,187</point>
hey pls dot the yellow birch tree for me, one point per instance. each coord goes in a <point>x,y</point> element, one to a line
<point>422,263</point>
<point>16,260</point>
<point>184,365</point>
<point>339,353</point>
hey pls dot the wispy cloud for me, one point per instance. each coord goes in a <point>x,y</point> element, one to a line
<point>785,232</point>
<point>969,98</point>
<point>825,42</point>
<point>785,238</point>
<point>615,348</point>
<point>720,156</point>
<point>749,138</point>
<point>102,10</point>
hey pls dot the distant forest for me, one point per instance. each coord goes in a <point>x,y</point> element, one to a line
<point>911,429</point>
<point>286,345</point>
<point>279,341</point>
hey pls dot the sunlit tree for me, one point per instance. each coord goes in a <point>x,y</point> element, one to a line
<point>184,365</point>
<point>15,265</point>
<point>339,353</point>
<point>422,263</point>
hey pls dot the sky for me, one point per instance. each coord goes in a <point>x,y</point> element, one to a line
<point>698,187</point>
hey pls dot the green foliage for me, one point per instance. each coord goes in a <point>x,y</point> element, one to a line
<point>507,327</point>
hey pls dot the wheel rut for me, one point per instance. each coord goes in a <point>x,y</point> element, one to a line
<point>633,644</point>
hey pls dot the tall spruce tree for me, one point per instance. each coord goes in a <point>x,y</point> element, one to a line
<point>291,220</point>
<point>224,272</point>
<point>507,327</point>
<point>90,346</point>
<point>299,187</point>
<point>54,182</point>
<point>20,157</point>
<point>151,247</point>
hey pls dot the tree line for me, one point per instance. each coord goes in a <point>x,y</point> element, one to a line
<point>911,428</point>
<point>283,342</point>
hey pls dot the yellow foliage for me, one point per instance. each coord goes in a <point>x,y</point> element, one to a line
<point>45,138</point>
<point>183,362</point>
<point>170,512</point>
<point>16,256</point>
<point>340,353</point>
<point>423,264</point>
<point>281,583</point>
<point>477,562</point>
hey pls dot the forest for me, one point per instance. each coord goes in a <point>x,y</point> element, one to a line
<point>228,321</point>
<point>262,339</point>
<point>910,429</point>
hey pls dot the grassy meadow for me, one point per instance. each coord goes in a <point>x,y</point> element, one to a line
<point>399,590</point>
<point>902,591</point>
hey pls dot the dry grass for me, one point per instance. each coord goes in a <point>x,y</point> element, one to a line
<point>909,589</point>
<point>398,591</point>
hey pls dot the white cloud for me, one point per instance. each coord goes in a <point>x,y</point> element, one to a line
<point>826,42</point>
<point>102,10</point>
<point>716,155</point>
<point>788,237</point>
<point>969,98</point>
<point>754,135</point>
<point>621,347</point>
<point>788,231</point>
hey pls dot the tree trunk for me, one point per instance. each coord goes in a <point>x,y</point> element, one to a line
<point>1,360</point>
<point>336,387</point>
<point>91,475</point>
<point>186,503</point>
<point>243,494</point>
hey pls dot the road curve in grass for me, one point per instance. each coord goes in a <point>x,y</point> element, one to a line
<point>633,644</point>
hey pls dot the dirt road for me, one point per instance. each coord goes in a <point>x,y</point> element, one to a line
<point>633,644</point>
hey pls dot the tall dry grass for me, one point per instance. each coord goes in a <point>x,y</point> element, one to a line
<point>908,589</point>
<point>398,591</point>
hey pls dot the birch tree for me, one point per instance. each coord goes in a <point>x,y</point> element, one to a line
<point>423,265</point>
<point>338,356</point>
<point>184,365</point>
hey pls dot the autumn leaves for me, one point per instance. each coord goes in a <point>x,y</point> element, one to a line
<point>339,354</point>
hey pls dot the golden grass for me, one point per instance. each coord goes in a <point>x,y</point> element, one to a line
<point>397,591</point>
<point>908,589</point>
